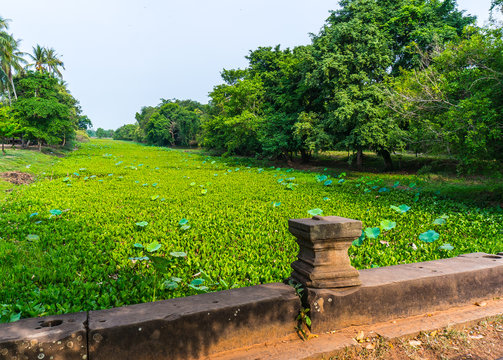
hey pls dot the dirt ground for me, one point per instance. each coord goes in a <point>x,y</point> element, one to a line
<point>483,341</point>
<point>17,177</point>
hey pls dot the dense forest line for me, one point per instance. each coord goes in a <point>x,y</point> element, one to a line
<point>385,76</point>
<point>36,106</point>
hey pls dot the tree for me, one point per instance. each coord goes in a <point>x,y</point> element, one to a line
<point>9,126</point>
<point>39,58</point>
<point>46,60</point>
<point>46,111</point>
<point>125,132</point>
<point>361,45</point>
<point>352,57</point>
<point>326,95</point>
<point>184,117</point>
<point>100,133</point>
<point>237,116</point>
<point>53,62</point>
<point>141,120</point>
<point>84,123</point>
<point>11,60</point>
<point>455,101</point>
<point>420,24</point>
<point>496,5</point>
<point>172,122</point>
<point>285,100</point>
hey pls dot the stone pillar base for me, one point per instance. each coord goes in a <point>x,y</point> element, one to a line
<point>323,260</point>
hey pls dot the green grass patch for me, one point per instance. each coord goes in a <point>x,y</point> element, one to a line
<point>117,223</point>
<point>29,161</point>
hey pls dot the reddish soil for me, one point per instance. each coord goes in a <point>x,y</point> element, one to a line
<point>483,341</point>
<point>17,177</point>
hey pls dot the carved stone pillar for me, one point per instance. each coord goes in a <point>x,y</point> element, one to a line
<point>323,260</point>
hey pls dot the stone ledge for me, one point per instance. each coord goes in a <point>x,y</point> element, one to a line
<point>334,344</point>
<point>405,290</point>
<point>59,337</point>
<point>194,326</point>
<point>203,325</point>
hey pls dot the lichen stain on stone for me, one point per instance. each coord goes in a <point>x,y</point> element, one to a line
<point>97,337</point>
<point>320,305</point>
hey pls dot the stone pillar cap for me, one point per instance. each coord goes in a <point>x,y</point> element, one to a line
<point>326,227</point>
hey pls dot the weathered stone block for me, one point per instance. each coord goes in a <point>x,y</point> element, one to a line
<point>195,326</point>
<point>60,337</point>
<point>323,260</point>
<point>405,290</point>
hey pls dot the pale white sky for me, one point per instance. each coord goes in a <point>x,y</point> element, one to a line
<point>121,55</point>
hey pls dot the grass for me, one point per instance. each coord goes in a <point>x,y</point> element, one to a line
<point>77,238</point>
<point>33,162</point>
<point>439,174</point>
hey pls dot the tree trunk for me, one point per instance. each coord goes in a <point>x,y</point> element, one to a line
<point>305,155</point>
<point>388,163</point>
<point>64,140</point>
<point>3,149</point>
<point>359,159</point>
<point>39,145</point>
<point>22,141</point>
<point>8,93</point>
<point>13,87</point>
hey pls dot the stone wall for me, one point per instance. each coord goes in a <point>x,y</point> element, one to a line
<point>199,326</point>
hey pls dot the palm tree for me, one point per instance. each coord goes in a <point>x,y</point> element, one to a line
<point>46,60</point>
<point>4,25</point>
<point>52,61</point>
<point>11,59</point>
<point>39,58</point>
<point>4,47</point>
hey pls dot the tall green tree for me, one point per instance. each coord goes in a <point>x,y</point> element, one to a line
<point>46,112</point>
<point>362,44</point>
<point>83,122</point>
<point>352,57</point>
<point>237,116</point>
<point>421,25</point>
<point>142,119</point>
<point>456,102</point>
<point>173,122</point>
<point>125,132</point>
<point>9,126</point>
<point>286,102</point>
<point>102,133</point>
<point>185,120</point>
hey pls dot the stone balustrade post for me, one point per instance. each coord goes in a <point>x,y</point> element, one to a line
<point>323,260</point>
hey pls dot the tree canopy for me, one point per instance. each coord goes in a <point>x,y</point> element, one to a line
<point>173,122</point>
<point>35,106</point>
<point>385,76</point>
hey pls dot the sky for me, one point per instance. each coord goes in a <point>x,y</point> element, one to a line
<point>121,55</point>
